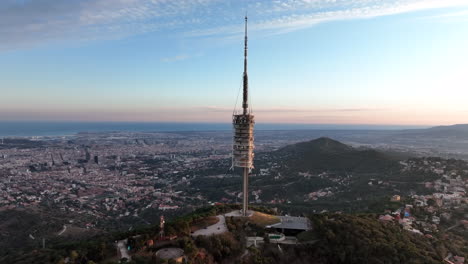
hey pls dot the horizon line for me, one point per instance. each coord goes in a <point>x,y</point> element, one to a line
<point>216,122</point>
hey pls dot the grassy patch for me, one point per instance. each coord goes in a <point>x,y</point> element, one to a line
<point>263,220</point>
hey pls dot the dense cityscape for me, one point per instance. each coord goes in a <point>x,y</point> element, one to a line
<point>99,182</point>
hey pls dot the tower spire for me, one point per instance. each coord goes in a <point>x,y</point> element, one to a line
<point>243,145</point>
<point>245,102</point>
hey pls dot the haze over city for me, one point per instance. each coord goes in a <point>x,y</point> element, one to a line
<point>312,62</point>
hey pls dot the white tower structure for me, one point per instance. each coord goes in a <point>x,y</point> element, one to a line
<point>243,145</point>
<point>161,226</point>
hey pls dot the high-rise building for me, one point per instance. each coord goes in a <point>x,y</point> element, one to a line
<point>243,145</point>
<point>87,155</point>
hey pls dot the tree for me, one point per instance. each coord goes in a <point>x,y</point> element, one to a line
<point>74,255</point>
<point>431,202</point>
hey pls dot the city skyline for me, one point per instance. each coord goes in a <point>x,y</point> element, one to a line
<point>311,62</point>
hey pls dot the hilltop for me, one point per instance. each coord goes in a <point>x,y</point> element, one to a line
<point>459,131</point>
<point>295,172</point>
<point>346,238</point>
<point>325,154</point>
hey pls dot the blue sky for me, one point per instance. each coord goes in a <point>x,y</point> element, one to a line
<point>310,61</point>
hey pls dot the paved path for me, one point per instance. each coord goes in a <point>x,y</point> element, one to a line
<point>218,228</point>
<point>63,230</point>
<point>288,240</point>
<point>122,247</point>
<point>452,227</point>
<point>237,213</point>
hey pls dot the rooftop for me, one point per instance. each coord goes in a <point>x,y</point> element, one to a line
<point>293,222</point>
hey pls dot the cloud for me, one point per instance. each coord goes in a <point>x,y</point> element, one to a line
<point>28,23</point>
<point>299,16</point>
<point>175,58</point>
<point>456,14</point>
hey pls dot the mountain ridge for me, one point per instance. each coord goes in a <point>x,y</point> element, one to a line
<point>330,155</point>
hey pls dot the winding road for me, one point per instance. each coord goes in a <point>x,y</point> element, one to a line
<point>218,228</point>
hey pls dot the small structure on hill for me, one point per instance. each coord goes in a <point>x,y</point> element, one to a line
<point>176,254</point>
<point>291,225</point>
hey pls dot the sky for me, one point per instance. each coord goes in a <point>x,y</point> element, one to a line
<point>377,62</point>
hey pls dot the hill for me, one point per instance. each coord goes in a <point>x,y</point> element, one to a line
<point>459,131</point>
<point>325,154</point>
<point>345,238</point>
<point>458,127</point>
<point>335,238</point>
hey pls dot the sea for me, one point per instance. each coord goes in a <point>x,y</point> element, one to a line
<point>36,128</point>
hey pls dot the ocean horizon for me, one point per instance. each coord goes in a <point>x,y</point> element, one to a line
<point>37,128</point>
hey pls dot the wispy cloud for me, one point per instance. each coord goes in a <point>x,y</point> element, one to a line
<point>295,15</point>
<point>463,13</point>
<point>455,14</point>
<point>181,57</point>
<point>175,58</point>
<point>31,23</point>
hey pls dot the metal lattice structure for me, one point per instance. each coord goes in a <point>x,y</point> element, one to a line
<point>243,144</point>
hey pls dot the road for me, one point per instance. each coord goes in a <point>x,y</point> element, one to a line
<point>452,227</point>
<point>218,228</point>
<point>63,230</point>
<point>122,248</point>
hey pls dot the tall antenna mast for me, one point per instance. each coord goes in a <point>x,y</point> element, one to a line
<point>243,143</point>
<point>245,102</point>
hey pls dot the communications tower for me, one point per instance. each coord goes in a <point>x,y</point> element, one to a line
<point>243,144</point>
<point>161,226</point>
